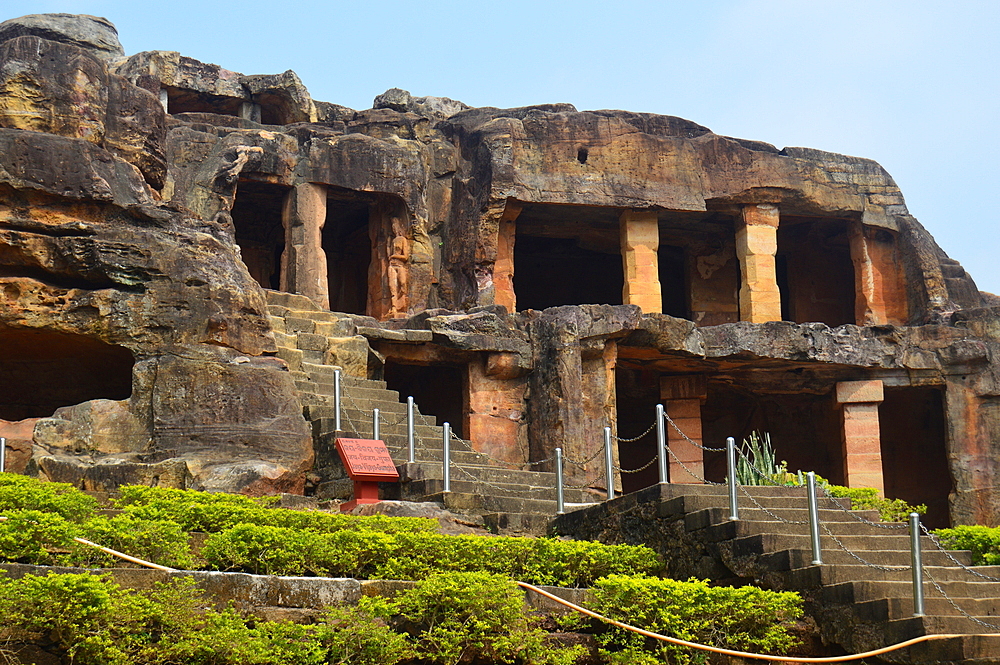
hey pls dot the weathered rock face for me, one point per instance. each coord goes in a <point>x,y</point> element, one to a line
<point>540,272</point>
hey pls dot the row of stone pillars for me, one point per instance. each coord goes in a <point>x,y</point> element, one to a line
<point>756,250</point>
<point>858,402</point>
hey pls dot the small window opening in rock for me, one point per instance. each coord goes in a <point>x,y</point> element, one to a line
<point>41,370</point>
<point>581,155</point>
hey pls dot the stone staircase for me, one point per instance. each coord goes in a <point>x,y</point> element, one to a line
<point>861,596</point>
<point>510,501</point>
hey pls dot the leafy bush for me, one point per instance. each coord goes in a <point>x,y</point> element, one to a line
<point>158,541</point>
<point>371,554</point>
<point>35,537</point>
<point>216,512</point>
<point>982,541</point>
<point>19,492</point>
<point>867,498</point>
<point>460,616</point>
<point>361,635</point>
<point>742,618</point>
<point>757,464</point>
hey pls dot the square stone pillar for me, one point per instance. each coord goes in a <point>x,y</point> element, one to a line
<point>303,263</point>
<point>756,246</point>
<point>503,268</point>
<point>862,443</point>
<point>640,240</point>
<point>682,399</point>
<point>880,290</point>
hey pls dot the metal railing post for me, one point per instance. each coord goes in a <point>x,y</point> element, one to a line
<point>560,497</point>
<point>375,424</point>
<point>814,519</point>
<point>336,399</point>
<point>446,457</point>
<point>609,465</point>
<point>734,512</point>
<point>917,566</point>
<point>411,428</point>
<point>661,443</point>
<point>3,454</point>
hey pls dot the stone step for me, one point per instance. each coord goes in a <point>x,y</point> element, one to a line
<point>487,472</point>
<point>764,537</point>
<point>517,524</point>
<point>691,503</point>
<point>863,590</point>
<point>829,574</point>
<point>888,609</point>
<point>427,435</point>
<point>830,518</point>
<point>483,504</point>
<point>290,300</point>
<point>789,559</point>
<point>463,485</point>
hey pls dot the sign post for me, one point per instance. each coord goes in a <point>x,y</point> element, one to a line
<point>367,462</point>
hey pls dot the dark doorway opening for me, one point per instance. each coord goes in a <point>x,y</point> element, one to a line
<point>567,255</point>
<point>181,100</point>
<point>914,459</point>
<point>41,371</point>
<point>804,428</point>
<point>815,270</point>
<point>637,392</point>
<point>259,232</point>
<point>673,284</point>
<point>348,247</point>
<point>438,390</point>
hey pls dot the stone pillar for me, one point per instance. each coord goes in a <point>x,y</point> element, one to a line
<point>682,399</point>
<point>880,290</point>
<point>862,444</point>
<point>756,246</point>
<point>303,264</point>
<point>503,268</point>
<point>640,239</point>
<point>497,388</point>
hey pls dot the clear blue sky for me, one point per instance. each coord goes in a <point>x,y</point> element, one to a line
<point>912,84</point>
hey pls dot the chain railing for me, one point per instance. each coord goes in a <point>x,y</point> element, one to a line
<point>666,452</point>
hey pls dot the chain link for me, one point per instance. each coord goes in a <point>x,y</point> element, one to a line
<point>641,468</point>
<point>689,439</point>
<point>876,566</point>
<point>858,518</point>
<point>584,463</point>
<point>757,503</point>
<point>690,472</point>
<point>934,539</point>
<point>952,602</point>
<point>636,438</point>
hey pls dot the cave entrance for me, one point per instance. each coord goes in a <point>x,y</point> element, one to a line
<point>914,459</point>
<point>438,390</point>
<point>804,429</point>
<point>672,271</point>
<point>567,255</point>
<point>814,271</point>
<point>637,392</point>
<point>183,100</point>
<point>348,247</point>
<point>257,214</point>
<point>41,370</point>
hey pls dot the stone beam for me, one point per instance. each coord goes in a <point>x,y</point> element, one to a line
<point>503,268</point>
<point>303,264</point>
<point>756,246</point>
<point>640,240</point>
<point>860,434</point>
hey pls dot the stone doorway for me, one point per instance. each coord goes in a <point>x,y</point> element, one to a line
<point>348,247</point>
<point>260,233</point>
<point>567,255</point>
<point>438,390</point>
<point>914,456</point>
<point>41,370</point>
<point>815,273</point>
<point>637,392</point>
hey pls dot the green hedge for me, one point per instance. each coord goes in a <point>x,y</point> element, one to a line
<point>982,541</point>
<point>867,498</point>
<point>412,556</point>
<point>19,492</point>
<point>742,618</point>
<point>215,512</point>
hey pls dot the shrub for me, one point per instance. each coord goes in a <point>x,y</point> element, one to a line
<point>743,618</point>
<point>158,541</point>
<point>867,498</point>
<point>460,616</point>
<point>19,492</point>
<point>361,635</point>
<point>415,556</point>
<point>982,541</point>
<point>35,537</point>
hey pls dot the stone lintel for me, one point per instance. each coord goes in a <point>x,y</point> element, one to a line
<point>688,386</point>
<point>849,392</point>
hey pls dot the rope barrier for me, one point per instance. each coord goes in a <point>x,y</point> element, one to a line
<point>731,652</point>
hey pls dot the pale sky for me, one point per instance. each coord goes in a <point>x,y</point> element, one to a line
<point>912,84</point>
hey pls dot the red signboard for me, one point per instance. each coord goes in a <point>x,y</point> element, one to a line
<point>367,459</point>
